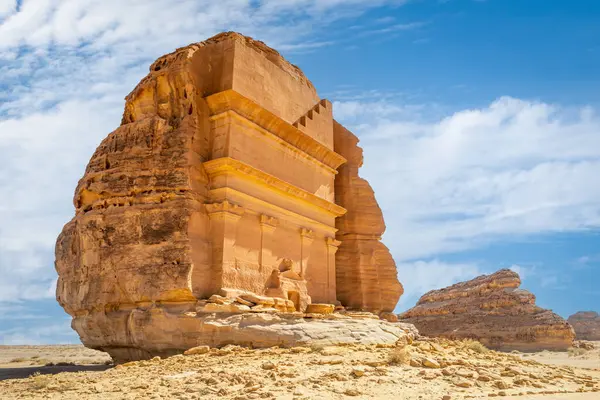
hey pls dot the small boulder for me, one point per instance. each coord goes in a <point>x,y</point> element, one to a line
<point>415,363</point>
<point>463,383</point>
<point>388,316</point>
<point>268,365</point>
<point>215,298</point>
<point>316,308</point>
<point>244,302</point>
<point>197,350</point>
<point>256,299</point>
<point>358,372</point>
<point>430,363</point>
<point>232,308</point>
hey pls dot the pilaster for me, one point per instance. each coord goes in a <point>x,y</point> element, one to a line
<point>306,239</point>
<point>224,217</point>
<point>332,248</point>
<point>268,225</point>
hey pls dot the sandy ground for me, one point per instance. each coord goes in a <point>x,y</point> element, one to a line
<point>460,370</point>
<point>574,358</point>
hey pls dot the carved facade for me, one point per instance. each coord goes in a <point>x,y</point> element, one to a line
<point>221,179</point>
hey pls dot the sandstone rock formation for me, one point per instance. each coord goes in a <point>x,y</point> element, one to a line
<point>586,325</point>
<point>221,180</point>
<point>493,310</point>
<point>366,271</point>
<point>255,330</point>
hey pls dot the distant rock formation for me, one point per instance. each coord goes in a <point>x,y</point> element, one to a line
<point>586,325</point>
<point>493,310</point>
<point>221,180</point>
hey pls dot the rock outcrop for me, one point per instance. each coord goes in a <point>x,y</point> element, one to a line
<point>182,331</point>
<point>221,180</point>
<point>365,270</point>
<point>586,325</point>
<point>493,310</point>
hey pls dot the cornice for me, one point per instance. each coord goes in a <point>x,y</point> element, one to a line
<point>228,165</point>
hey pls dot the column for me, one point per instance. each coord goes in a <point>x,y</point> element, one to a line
<point>332,248</point>
<point>267,227</point>
<point>223,217</point>
<point>306,239</point>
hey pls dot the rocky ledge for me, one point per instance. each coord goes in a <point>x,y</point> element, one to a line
<point>168,330</point>
<point>493,310</point>
<point>586,325</point>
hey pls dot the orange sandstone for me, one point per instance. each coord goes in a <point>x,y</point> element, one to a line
<point>493,310</point>
<point>229,188</point>
<point>586,325</point>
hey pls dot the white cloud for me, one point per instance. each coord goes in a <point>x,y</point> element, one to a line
<point>420,277</point>
<point>510,169</point>
<point>456,182</point>
<point>58,332</point>
<point>394,28</point>
<point>43,156</point>
<point>523,271</point>
<point>7,7</point>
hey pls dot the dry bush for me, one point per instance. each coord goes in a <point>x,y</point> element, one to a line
<point>39,361</point>
<point>399,356</point>
<point>39,381</point>
<point>316,348</point>
<point>18,360</point>
<point>475,345</point>
<point>59,363</point>
<point>576,352</point>
<point>67,386</point>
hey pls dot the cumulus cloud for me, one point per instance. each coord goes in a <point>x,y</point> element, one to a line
<point>7,7</point>
<point>421,276</point>
<point>512,168</point>
<point>43,156</point>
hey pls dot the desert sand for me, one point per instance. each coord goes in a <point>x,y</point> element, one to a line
<point>425,369</point>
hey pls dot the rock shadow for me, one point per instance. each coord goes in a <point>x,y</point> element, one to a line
<point>25,372</point>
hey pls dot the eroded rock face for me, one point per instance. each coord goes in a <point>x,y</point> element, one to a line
<point>366,272</point>
<point>493,310</point>
<point>586,325</point>
<point>254,330</point>
<point>221,180</point>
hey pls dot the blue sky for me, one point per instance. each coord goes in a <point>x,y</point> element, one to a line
<point>479,119</point>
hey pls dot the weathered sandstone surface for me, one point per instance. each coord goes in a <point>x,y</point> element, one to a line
<point>222,180</point>
<point>181,331</point>
<point>493,310</point>
<point>366,271</point>
<point>586,325</point>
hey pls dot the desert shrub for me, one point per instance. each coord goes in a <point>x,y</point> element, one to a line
<point>39,381</point>
<point>475,345</point>
<point>399,356</point>
<point>576,352</point>
<point>18,360</point>
<point>67,386</point>
<point>317,348</point>
<point>59,364</point>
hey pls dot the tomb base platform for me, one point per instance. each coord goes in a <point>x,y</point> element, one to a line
<point>168,330</point>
